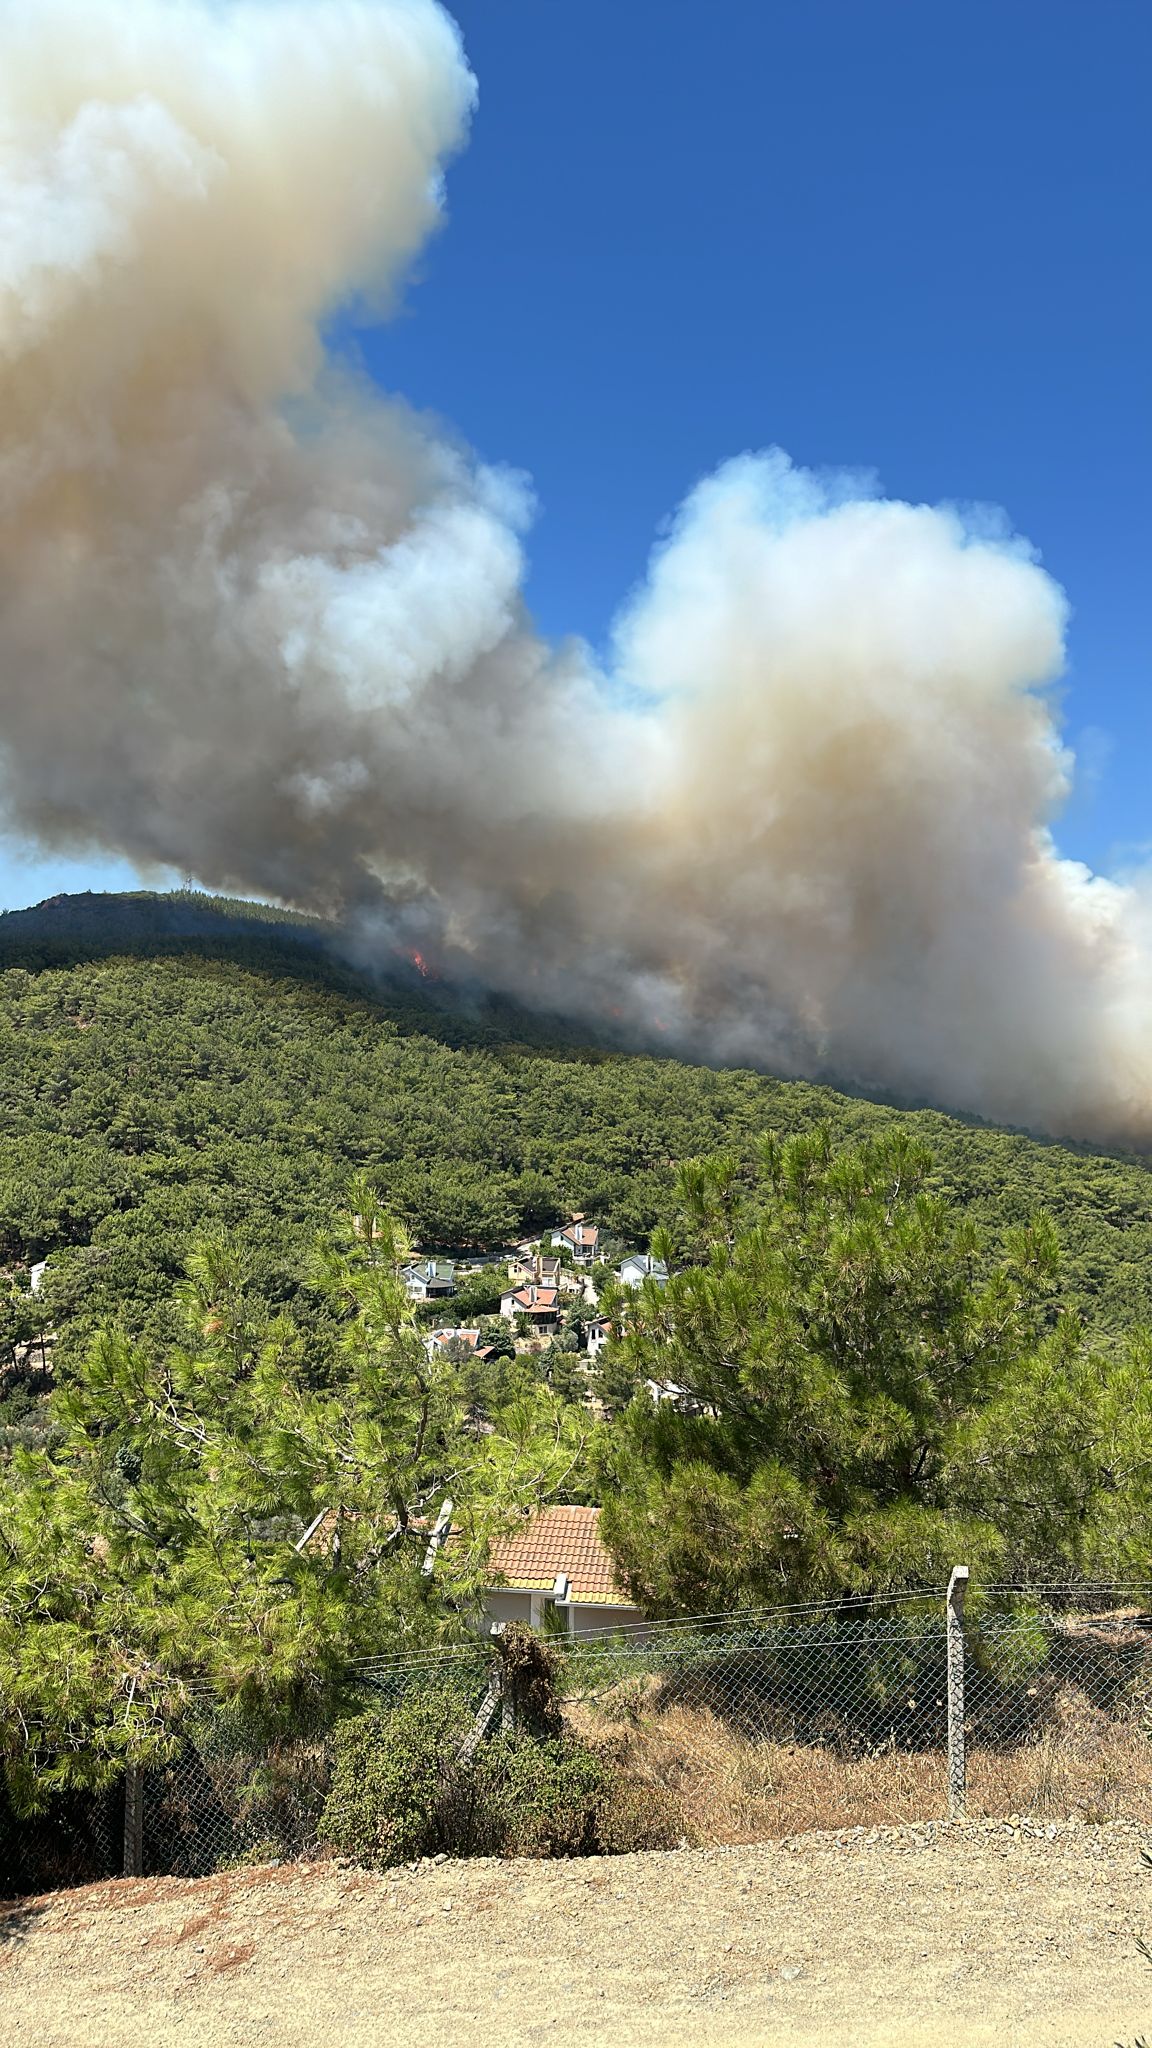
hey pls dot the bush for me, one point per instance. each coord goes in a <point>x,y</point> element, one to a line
<point>390,1777</point>
<point>636,1815</point>
<point>537,1797</point>
<point>400,1790</point>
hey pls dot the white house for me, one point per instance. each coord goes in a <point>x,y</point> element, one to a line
<point>439,1340</point>
<point>556,1570</point>
<point>667,1390</point>
<point>580,1238</point>
<point>640,1266</point>
<point>431,1280</point>
<point>541,1305</point>
<point>597,1335</point>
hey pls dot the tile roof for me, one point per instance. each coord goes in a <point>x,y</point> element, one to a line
<point>578,1232</point>
<point>540,1298</point>
<point>539,1265</point>
<point>560,1540</point>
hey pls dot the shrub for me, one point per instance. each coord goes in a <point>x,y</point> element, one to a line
<point>401,1787</point>
<point>400,1790</point>
<point>538,1797</point>
<point>389,1779</point>
<point>636,1815</point>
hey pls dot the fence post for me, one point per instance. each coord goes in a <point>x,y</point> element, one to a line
<point>954,1623</point>
<point>496,1698</point>
<point>133,1822</point>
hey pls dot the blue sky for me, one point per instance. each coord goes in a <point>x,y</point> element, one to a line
<point>890,234</point>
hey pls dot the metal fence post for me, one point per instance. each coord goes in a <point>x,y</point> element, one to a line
<point>133,1822</point>
<point>954,1622</point>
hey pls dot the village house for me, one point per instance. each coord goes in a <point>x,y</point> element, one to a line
<point>541,1305</point>
<point>552,1572</point>
<point>532,1265</point>
<point>555,1573</point>
<point>667,1390</point>
<point>467,1340</point>
<point>430,1280</point>
<point>597,1334</point>
<point>580,1238</point>
<point>640,1266</point>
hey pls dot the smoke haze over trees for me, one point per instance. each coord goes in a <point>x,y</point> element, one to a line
<point>262,623</point>
<point>229,1081</point>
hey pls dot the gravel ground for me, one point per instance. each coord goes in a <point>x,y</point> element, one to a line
<point>994,1933</point>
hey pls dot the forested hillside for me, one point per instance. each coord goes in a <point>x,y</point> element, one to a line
<point>167,1063</point>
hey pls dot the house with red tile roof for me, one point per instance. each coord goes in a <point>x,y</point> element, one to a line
<point>541,1305</point>
<point>578,1237</point>
<point>556,1561</point>
<point>461,1340</point>
<point>552,1571</point>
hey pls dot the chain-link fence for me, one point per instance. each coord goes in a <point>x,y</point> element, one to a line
<point>760,1724</point>
<point>850,1716</point>
<point>854,1680</point>
<point>75,1837</point>
<point>229,1797</point>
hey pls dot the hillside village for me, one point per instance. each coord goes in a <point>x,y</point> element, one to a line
<point>554,1573</point>
<point>545,1290</point>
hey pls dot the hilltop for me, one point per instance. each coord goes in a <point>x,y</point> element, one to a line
<point>168,1063</point>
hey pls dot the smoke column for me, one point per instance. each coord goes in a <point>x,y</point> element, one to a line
<point>261,623</point>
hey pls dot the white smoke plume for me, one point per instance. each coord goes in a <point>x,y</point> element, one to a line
<point>260,623</point>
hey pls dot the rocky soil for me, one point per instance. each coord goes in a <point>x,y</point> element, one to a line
<point>1000,1933</point>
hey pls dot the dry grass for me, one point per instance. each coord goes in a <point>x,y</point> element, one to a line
<point>1084,1765</point>
<point>730,1789</point>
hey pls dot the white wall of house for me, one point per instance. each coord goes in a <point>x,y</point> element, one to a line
<point>593,1617</point>
<point>584,1618</point>
<point>638,1267</point>
<point>507,1604</point>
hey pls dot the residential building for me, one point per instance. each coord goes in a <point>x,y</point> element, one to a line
<point>469,1340</point>
<point>541,1305</point>
<point>580,1238</point>
<point>597,1335</point>
<point>431,1280</point>
<point>556,1570</point>
<point>667,1390</point>
<point>640,1266</point>
<point>553,1571</point>
<point>534,1265</point>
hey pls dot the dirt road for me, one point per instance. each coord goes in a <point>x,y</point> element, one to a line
<point>985,1935</point>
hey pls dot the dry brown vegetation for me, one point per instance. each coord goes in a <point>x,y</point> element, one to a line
<point>1084,1765</point>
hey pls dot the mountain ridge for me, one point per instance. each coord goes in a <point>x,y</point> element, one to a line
<point>158,1080</point>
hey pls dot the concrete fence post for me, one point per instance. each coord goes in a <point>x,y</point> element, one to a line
<point>133,1822</point>
<point>954,1626</point>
